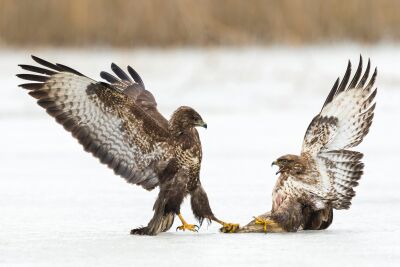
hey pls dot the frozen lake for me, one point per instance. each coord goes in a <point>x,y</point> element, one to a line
<point>60,207</point>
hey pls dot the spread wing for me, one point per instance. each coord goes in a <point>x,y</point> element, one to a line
<point>134,88</point>
<point>107,122</point>
<point>343,122</point>
<point>346,115</point>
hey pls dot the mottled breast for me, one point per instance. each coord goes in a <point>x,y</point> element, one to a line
<point>297,188</point>
<point>188,153</point>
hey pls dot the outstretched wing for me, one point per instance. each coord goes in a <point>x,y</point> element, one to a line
<point>134,88</point>
<point>343,122</point>
<point>346,115</point>
<point>105,121</point>
<point>340,171</point>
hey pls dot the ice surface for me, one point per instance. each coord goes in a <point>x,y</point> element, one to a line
<point>60,207</point>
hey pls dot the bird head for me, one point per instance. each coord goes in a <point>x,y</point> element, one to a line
<point>185,118</point>
<point>290,164</point>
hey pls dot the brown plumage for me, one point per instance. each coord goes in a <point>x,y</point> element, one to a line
<point>118,122</point>
<point>323,176</point>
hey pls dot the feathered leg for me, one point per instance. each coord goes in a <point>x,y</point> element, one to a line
<point>202,210</point>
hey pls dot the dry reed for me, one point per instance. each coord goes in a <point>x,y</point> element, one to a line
<point>195,23</point>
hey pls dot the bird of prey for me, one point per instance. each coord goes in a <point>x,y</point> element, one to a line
<point>118,122</point>
<point>323,176</point>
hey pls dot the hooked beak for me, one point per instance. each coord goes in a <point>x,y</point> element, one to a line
<point>202,124</point>
<point>275,163</point>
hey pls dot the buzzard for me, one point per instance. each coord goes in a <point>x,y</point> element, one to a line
<point>118,122</point>
<point>323,176</point>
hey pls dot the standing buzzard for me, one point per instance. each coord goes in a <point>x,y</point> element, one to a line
<point>118,122</point>
<point>323,176</point>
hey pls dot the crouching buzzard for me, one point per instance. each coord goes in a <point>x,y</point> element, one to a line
<point>323,176</point>
<point>118,122</point>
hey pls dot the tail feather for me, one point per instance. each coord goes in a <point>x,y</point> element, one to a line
<point>317,220</point>
<point>161,222</point>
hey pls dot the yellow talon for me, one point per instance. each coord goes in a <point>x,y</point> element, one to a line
<point>185,226</point>
<point>229,227</point>
<point>190,227</point>
<point>267,223</point>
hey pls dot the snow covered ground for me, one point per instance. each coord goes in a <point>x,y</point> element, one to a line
<point>60,207</point>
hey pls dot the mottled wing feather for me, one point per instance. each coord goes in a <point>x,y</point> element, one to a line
<point>135,89</point>
<point>342,123</point>
<point>345,117</point>
<point>105,121</point>
<point>340,171</point>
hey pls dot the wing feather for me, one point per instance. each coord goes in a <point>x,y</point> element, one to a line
<point>343,122</point>
<point>33,77</point>
<point>68,69</point>
<point>108,77</point>
<point>136,77</point>
<point>136,91</point>
<point>46,63</point>
<point>357,75</point>
<point>37,69</point>
<point>345,80</point>
<point>120,73</point>
<point>345,117</point>
<point>341,170</point>
<point>332,92</point>
<point>105,121</point>
<point>365,76</point>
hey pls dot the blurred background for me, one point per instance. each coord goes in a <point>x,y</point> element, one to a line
<point>159,23</point>
<point>257,71</point>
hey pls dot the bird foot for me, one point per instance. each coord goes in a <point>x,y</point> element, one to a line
<point>189,227</point>
<point>229,227</point>
<point>267,223</point>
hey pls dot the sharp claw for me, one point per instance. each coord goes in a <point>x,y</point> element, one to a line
<point>229,227</point>
<point>193,228</point>
<point>266,223</point>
